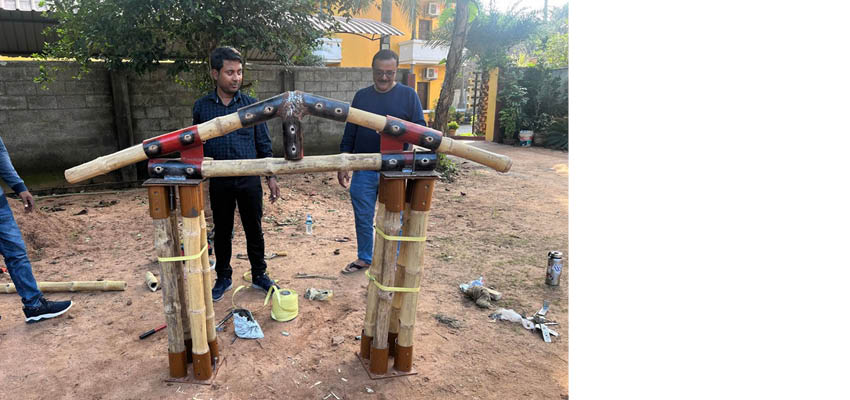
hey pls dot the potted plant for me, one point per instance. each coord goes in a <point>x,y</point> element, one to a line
<point>452,127</point>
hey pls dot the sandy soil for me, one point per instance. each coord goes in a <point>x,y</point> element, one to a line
<point>498,225</point>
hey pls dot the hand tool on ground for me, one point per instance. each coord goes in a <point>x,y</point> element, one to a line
<point>152,331</point>
<point>218,327</point>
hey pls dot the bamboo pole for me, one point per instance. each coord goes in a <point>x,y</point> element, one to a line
<point>192,271</point>
<point>276,166</point>
<point>205,265</point>
<point>390,225</point>
<point>72,286</point>
<point>372,290</point>
<point>178,272</point>
<point>411,260</point>
<point>160,211</point>
<point>399,275</point>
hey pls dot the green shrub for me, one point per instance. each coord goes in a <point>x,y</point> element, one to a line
<point>446,168</point>
<point>452,125</point>
<point>558,135</point>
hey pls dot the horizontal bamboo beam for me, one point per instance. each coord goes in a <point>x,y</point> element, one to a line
<point>73,286</point>
<point>279,166</point>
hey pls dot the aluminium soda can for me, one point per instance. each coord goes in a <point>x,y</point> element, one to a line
<point>553,271</point>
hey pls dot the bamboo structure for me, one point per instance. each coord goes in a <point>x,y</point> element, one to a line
<point>164,239</point>
<point>205,265</point>
<point>391,226</point>
<point>390,314</point>
<point>72,286</point>
<point>192,271</point>
<point>411,261</point>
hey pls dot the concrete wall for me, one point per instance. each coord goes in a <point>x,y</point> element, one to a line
<point>73,121</point>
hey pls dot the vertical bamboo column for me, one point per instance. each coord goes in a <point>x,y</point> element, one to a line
<point>181,281</point>
<point>411,260</point>
<point>390,224</point>
<point>372,290</point>
<point>191,212</point>
<point>399,276</point>
<point>205,264</point>
<point>160,211</point>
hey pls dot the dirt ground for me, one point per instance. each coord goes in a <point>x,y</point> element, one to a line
<point>485,223</point>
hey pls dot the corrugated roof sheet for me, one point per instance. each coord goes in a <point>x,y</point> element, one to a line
<point>21,5</point>
<point>358,25</point>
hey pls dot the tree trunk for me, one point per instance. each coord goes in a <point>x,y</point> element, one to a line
<point>453,65</point>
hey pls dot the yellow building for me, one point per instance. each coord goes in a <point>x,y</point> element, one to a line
<point>426,62</point>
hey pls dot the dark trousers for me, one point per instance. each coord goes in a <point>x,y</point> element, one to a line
<point>247,193</point>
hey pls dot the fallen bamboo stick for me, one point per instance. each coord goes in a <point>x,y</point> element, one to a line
<point>72,286</point>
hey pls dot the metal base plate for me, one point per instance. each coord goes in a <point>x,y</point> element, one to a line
<point>172,182</point>
<point>391,372</point>
<point>409,175</point>
<point>189,378</point>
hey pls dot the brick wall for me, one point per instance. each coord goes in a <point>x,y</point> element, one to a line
<point>72,121</point>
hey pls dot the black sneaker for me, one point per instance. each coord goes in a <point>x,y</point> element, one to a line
<point>221,285</point>
<point>47,309</point>
<point>263,282</point>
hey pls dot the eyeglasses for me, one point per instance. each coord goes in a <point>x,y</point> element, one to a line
<point>378,73</point>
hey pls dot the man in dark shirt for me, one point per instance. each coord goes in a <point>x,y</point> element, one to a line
<point>244,191</point>
<point>385,97</point>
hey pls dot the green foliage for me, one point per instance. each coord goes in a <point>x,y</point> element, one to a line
<point>446,168</point>
<point>551,46</point>
<point>490,34</point>
<point>546,98</point>
<point>139,35</point>
<point>557,136</point>
<point>513,98</point>
<point>453,125</point>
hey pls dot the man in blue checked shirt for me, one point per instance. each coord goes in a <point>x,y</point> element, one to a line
<point>36,307</point>
<point>244,191</point>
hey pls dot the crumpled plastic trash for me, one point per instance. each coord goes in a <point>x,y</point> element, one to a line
<point>507,315</point>
<point>245,326</point>
<point>318,294</point>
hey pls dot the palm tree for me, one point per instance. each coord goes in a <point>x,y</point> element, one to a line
<point>411,9</point>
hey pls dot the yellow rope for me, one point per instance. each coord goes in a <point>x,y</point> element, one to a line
<point>399,238</point>
<point>389,288</point>
<point>183,258</point>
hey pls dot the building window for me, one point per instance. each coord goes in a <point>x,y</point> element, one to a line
<point>425,29</point>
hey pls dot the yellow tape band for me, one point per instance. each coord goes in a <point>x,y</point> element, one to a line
<point>399,238</point>
<point>183,258</point>
<point>388,288</point>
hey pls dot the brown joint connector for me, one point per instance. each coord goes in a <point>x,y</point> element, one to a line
<point>391,339</point>
<point>365,346</point>
<point>158,202</point>
<point>394,194</point>
<point>177,364</point>
<point>378,361</point>
<point>202,366</point>
<point>189,198</point>
<point>214,348</point>
<point>403,359</point>
<point>201,196</point>
<point>423,190</point>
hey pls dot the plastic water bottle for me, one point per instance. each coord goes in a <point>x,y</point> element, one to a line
<point>309,224</point>
<point>477,282</point>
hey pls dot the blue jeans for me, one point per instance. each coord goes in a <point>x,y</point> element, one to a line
<point>364,195</point>
<point>15,254</point>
